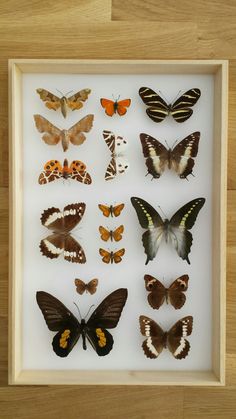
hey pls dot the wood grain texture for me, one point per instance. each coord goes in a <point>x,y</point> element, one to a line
<point>118,29</point>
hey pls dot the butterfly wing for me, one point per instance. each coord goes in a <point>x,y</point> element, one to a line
<point>117,233</point>
<point>75,134</point>
<point>111,170</point>
<point>122,106</point>
<point>65,221</point>
<point>116,210</point>
<point>181,108</point>
<point>149,219</point>
<point>59,319</point>
<point>108,105</point>
<point>78,172</point>
<point>72,215</point>
<point>182,221</point>
<point>110,140</point>
<point>52,246</point>
<point>73,251</point>
<point>176,342</point>
<point>80,286</point>
<point>156,155</point>
<point>176,291</point>
<point>106,256</point>
<point>105,210</point>
<point>182,156</point>
<point>52,101</point>
<point>154,343</point>
<point>117,256</point>
<point>76,101</point>
<point>52,170</point>
<point>51,134</point>
<point>157,108</point>
<point>157,291</point>
<point>91,287</point>
<point>122,165</point>
<point>105,234</point>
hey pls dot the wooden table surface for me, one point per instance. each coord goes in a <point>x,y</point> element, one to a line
<point>116,29</point>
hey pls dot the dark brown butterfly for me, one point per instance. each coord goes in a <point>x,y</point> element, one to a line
<point>158,109</point>
<point>176,230</point>
<point>74,135</point>
<point>110,210</point>
<point>180,158</point>
<point>90,287</point>
<point>54,102</point>
<point>60,242</point>
<point>111,234</point>
<point>110,257</point>
<point>174,339</point>
<point>173,295</point>
<point>54,170</point>
<point>61,320</point>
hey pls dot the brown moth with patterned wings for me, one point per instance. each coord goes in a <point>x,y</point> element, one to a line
<point>54,170</point>
<point>74,135</point>
<point>175,339</point>
<point>180,158</point>
<point>54,102</point>
<point>158,109</point>
<point>90,287</point>
<point>61,320</point>
<point>173,295</point>
<point>60,242</point>
<point>111,234</point>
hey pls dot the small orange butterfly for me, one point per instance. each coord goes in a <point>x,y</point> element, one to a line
<point>118,106</point>
<point>110,257</point>
<point>54,170</point>
<point>90,287</point>
<point>110,210</point>
<point>111,234</point>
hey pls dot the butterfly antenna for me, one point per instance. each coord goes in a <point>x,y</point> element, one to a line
<point>174,144</point>
<point>89,311</point>
<point>176,96</point>
<point>70,91</point>
<point>60,92</point>
<point>78,311</point>
<point>167,101</point>
<point>162,211</point>
<point>167,144</point>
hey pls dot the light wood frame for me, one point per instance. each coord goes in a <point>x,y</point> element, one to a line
<point>213,377</point>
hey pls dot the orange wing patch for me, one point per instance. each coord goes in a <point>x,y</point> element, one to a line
<point>110,257</point>
<point>117,256</point>
<point>106,256</point>
<point>52,165</point>
<point>111,107</point>
<point>105,234</point>
<point>117,209</point>
<point>117,233</point>
<point>122,105</point>
<point>110,210</point>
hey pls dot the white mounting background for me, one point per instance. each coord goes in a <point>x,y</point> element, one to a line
<point>170,192</point>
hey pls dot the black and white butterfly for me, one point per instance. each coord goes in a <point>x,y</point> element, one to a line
<point>61,320</point>
<point>176,230</point>
<point>118,163</point>
<point>175,339</point>
<point>180,158</point>
<point>158,109</point>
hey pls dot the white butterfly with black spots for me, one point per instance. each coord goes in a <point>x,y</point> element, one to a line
<point>118,164</point>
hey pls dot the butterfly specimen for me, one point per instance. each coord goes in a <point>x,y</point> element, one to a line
<point>61,320</point>
<point>158,109</point>
<point>60,242</point>
<point>111,234</point>
<point>173,295</point>
<point>180,158</point>
<point>176,230</point>
<point>174,339</point>
<point>110,210</point>
<point>110,257</point>
<point>90,287</point>
<point>54,170</point>
<point>117,146</point>
<point>73,102</point>
<point>118,106</point>
<point>53,135</point>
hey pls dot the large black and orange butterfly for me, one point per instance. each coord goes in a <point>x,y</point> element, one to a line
<point>180,158</point>
<point>111,234</point>
<point>173,294</point>
<point>90,287</point>
<point>61,320</point>
<point>110,257</point>
<point>118,106</point>
<point>74,135</point>
<point>111,210</point>
<point>60,242</point>
<point>176,230</point>
<point>54,102</point>
<point>158,109</point>
<point>54,170</point>
<point>175,339</point>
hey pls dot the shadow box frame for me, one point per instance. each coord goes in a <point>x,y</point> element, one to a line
<point>214,377</point>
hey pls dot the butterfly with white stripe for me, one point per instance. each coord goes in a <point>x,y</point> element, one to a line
<point>118,163</point>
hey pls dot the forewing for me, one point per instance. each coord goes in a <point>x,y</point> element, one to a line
<point>156,155</point>
<point>157,291</point>
<point>106,256</point>
<point>53,219</point>
<point>108,313</point>
<point>52,101</point>
<point>80,286</point>
<point>148,217</point>
<point>75,134</point>
<point>153,345</point>
<point>158,108</point>
<point>105,234</point>
<point>182,156</point>
<point>73,251</point>
<point>76,101</point>
<point>116,210</point>
<point>181,108</point>
<point>72,215</point>
<point>109,138</point>
<point>91,287</point>
<point>108,105</point>
<point>51,134</point>
<point>122,106</point>
<point>176,291</point>
<point>176,342</point>
<point>117,233</point>
<point>105,210</point>
<point>117,256</point>
<point>186,216</point>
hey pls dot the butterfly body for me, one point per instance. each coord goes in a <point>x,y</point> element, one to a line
<point>112,107</point>
<point>54,102</point>
<point>54,170</point>
<point>158,109</point>
<point>176,230</point>
<point>61,320</point>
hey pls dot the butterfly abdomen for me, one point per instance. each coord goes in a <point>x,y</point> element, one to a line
<point>64,140</point>
<point>63,101</point>
<point>66,170</point>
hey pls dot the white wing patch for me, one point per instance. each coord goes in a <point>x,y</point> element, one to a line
<point>118,164</point>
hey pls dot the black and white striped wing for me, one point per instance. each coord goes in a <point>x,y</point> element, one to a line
<point>181,108</point>
<point>157,109</point>
<point>111,171</point>
<point>110,140</point>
